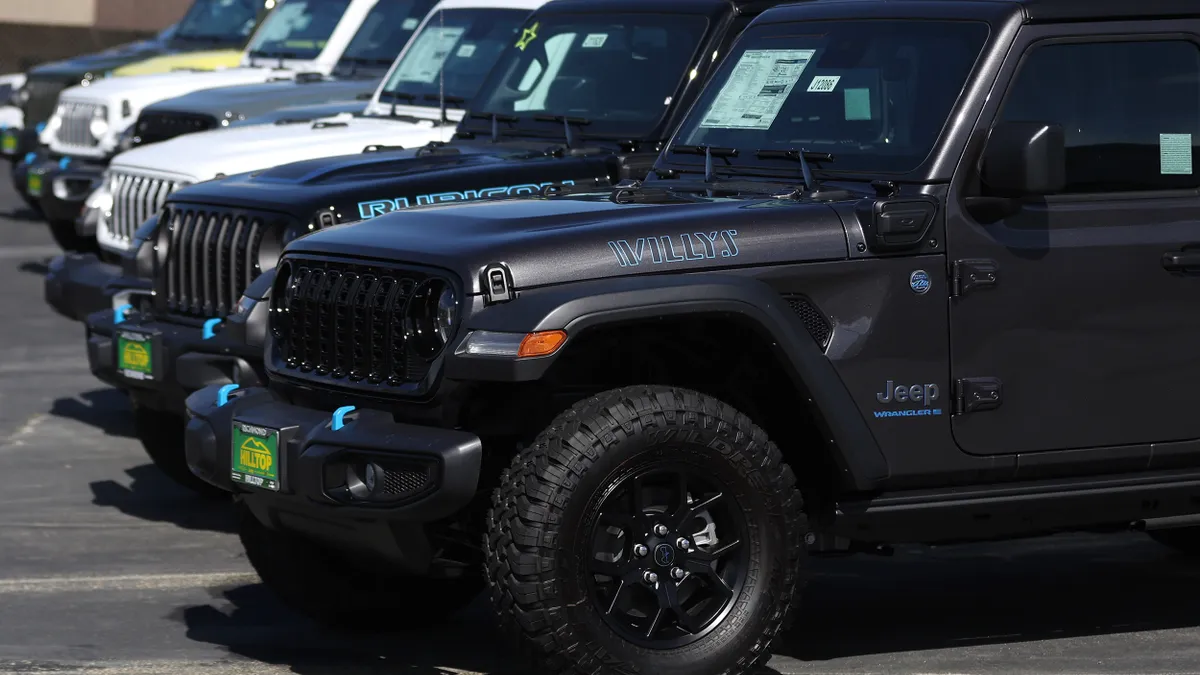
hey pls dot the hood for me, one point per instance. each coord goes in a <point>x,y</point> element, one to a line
<point>303,113</point>
<point>141,90</point>
<point>367,185</point>
<point>101,62</point>
<point>577,238</point>
<point>199,60</point>
<point>251,148</point>
<point>251,100</point>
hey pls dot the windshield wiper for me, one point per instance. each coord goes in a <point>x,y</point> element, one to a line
<point>709,152</point>
<point>397,96</point>
<point>802,156</point>
<point>572,141</point>
<point>442,100</point>
<point>496,119</point>
<point>201,38</point>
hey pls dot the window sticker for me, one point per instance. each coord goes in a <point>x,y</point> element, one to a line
<point>528,35</point>
<point>823,83</point>
<point>426,56</point>
<point>1175,154</point>
<point>465,51</point>
<point>594,40</point>
<point>410,23</point>
<point>858,104</point>
<point>757,88</point>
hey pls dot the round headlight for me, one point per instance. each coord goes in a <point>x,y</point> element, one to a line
<point>430,317</point>
<point>98,127</point>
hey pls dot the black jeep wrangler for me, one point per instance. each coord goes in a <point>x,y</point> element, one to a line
<point>814,330</point>
<point>586,92</point>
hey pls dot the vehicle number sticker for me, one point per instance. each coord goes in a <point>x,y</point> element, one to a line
<point>594,40</point>
<point>757,88</point>
<point>823,83</point>
<point>1175,154</point>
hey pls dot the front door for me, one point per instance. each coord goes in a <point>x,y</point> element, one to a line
<point>1092,325</point>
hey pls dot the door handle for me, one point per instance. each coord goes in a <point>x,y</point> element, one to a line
<point>1181,260</point>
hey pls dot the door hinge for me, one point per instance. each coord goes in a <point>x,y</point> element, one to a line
<point>975,394</point>
<point>969,274</point>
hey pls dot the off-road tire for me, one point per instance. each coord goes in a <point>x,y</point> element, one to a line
<point>543,497</point>
<point>69,240</point>
<point>161,434</point>
<point>1186,540</point>
<point>326,587</point>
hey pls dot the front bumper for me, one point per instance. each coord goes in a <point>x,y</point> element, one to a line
<point>161,363</point>
<point>299,470</point>
<point>65,188</point>
<point>79,284</point>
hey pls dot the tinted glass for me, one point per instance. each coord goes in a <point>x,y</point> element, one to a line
<point>873,93</point>
<point>1130,124</point>
<point>386,30</point>
<point>220,19</point>
<point>456,48</point>
<point>617,70</point>
<point>298,29</point>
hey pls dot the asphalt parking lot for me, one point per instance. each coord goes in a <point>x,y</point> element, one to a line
<point>108,568</point>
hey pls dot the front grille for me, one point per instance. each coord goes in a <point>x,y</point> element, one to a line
<point>155,127</point>
<point>213,254</point>
<point>43,99</point>
<point>76,129</point>
<point>135,198</point>
<point>345,321</point>
<point>818,326</point>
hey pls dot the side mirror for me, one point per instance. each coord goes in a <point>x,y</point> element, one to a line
<point>1025,159</point>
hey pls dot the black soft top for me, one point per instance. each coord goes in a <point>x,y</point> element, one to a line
<point>1030,11</point>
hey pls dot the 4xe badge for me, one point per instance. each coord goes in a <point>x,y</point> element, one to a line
<point>923,394</point>
<point>919,282</point>
<point>255,456</point>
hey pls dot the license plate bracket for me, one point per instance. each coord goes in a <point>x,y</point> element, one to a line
<point>8,142</point>
<point>33,184</point>
<point>138,355</point>
<point>255,460</point>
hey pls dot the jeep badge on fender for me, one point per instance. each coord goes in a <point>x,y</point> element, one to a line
<point>917,393</point>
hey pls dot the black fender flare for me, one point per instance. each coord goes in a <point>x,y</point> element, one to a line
<point>579,306</point>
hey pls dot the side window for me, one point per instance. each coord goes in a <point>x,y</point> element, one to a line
<point>1130,111</point>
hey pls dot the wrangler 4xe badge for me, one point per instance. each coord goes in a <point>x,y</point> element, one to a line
<point>675,248</point>
<point>924,395</point>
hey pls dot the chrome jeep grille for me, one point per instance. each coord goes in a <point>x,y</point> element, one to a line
<point>155,127</point>
<point>76,124</point>
<point>213,254</point>
<point>136,198</point>
<point>344,321</point>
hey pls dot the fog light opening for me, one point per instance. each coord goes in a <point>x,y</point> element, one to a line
<point>364,480</point>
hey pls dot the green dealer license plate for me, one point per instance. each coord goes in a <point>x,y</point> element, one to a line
<point>8,143</point>
<point>255,456</point>
<point>35,185</point>
<point>135,356</point>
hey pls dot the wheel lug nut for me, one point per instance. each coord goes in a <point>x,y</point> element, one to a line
<point>683,543</point>
<point>650,577</point>
<point>661,530</point>
<point>640,550</point>
<point>677,573</point>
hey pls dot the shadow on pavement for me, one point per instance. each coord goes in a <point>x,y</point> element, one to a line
<point>40,268</point>
<point>952,597</point>
<point>155,497</point>
<point>106,409</point>
<point>250,622</point>
<point>23,213</point>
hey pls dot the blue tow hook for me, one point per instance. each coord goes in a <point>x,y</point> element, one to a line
<point>40,127</point>
<point>29,157</point>
<point>209,326</point>
<point>64,163</point>
<point>119,313</point>
<point>223,394</point>
<point>339,417</point>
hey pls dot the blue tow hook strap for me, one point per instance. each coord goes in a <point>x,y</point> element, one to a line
<point>64,162</point>
<point>209,326</point>
<point>339,415</point>
<point>29,157</point>
<point>41,127</point>
<point>223,394</point>
<point>119,313</point>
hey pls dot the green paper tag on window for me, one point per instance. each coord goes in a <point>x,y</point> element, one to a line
<point>858,104</point>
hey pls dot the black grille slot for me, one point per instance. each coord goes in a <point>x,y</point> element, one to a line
<point>43,99</point>
<point>817,324</point>
<point>155,127</point>
<point>404,482</point>
<point>212,256</point>
<point>345,321</point>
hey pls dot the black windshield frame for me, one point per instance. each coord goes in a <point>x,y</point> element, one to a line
<point>232,31</point>
<point>852,161</point>
<point>537,124</point>
<point>394,13</point>
<point>280,49</point>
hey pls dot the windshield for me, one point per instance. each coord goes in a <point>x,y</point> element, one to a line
<point>456,48</point>
<point>872,93</point>
<point>385,31</point>
<point>220,19</point>
<point>298,29</point>
<point>618,72</point>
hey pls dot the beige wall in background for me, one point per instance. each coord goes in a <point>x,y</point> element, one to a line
<point>49,12</point>
<point>125,15</point>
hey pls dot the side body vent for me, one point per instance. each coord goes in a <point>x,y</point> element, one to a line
<point>818,325</point>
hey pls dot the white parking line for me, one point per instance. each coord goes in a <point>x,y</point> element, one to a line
<point>18,252</point>
<point>126,582</point>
